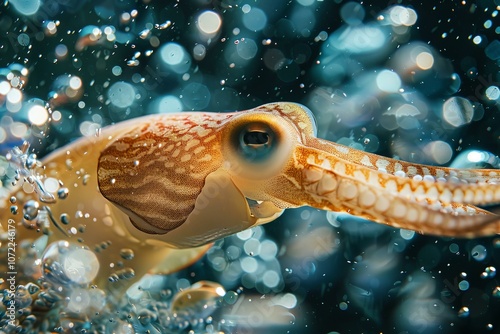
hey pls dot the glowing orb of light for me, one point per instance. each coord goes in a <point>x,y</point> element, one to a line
<point>121,94</point>
<point>209,22</point>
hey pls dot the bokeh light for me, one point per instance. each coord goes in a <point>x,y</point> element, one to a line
<point>388,81</point>
<point>209,22</point>
<point>26,7</point>
<point>458,111</point>
<point>38,114</point>
<point>195,96</point>
<point>352,13</point>
<point>493,92</point>
<point>400,15</point>
<point>121,94</point>
<point>424,60</point>
<point>175,58</point>
<point>254,18</point>
<point>166,104</point>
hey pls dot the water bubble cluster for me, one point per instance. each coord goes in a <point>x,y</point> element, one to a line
<point>27,174</point>
<point>248,257</point>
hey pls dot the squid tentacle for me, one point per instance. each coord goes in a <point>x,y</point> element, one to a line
<point>473,187</point>
<point>411,170</point>
<point>345,193</point>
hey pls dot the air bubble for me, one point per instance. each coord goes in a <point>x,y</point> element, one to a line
<point>126,273</point>
<point>454,248</point>
<point>464,312</point>
<point>32,288</point>
<point>127,253</point>
<point>133,62</point>
<point>146,317</point>
<point>492,93</point>
<point>489,272</point>
<point>231,297</point>
<point>31,161</point>
<point>463,285</point>
<point>30,210</point>
<point>479,253</point>
<point>22,297</point>
<point>80,265</point>
<point>166,294</point>
<point>52,262</point>
<point>200,300</point>
<point>65,218</point>
<point>164,25</point>
<point>62,193</point>
<point>145,34</point>
<point>113,278</point>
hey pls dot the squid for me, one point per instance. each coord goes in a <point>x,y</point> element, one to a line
<point>165,187</point>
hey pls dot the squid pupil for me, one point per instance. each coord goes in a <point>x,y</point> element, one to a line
<point>256,138</point>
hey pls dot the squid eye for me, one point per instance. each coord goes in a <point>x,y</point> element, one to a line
<point>255,138</point>
<point>256,142</point>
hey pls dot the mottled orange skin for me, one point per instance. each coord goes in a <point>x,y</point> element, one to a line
<point>183,149</point>
<point>96,220</point>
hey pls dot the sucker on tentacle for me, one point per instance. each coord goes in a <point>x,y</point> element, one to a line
<point>426,215</point>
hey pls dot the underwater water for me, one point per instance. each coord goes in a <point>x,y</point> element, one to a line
<point>415,81</point>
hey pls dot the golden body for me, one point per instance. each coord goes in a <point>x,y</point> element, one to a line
<point>166,186</point>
